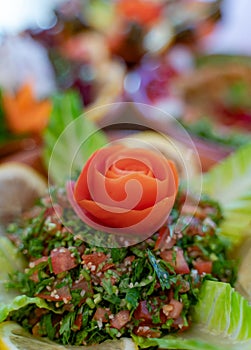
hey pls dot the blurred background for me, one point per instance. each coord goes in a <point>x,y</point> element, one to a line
<point>190,58</point>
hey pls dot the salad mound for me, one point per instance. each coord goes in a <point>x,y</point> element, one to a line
<point>87,294</point>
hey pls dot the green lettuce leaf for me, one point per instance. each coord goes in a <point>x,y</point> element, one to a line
<point>21,301</point>
<point>172,342</point>
<point>230,183</point>
<point>221,321</point>
<point>10,261</point>
<point>223,312</point>
<point>69,139</point>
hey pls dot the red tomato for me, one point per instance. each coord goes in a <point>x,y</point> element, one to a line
<point>62,260</point>
<point>94,259</point>
<point>102,314</point>
<point>177,308</point>
<point>120,319</point>
<point>145,331</point>
<point>147,213</point>
<point>164,241</point>
<point>55,210</point>
<point>84,285</point>
<point>203,266</point>
<point>128,260</point>
<point>78,322</point>
<point>34,276</point>
<point>56,294</point>
<point>38,261</point>
<point>194,251</point>
<point>179,264</point>
<point>178,324</point>
<point>141,312</point>
<point>107,267</point>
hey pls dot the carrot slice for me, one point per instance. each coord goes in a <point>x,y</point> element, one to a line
<point>24,113</point>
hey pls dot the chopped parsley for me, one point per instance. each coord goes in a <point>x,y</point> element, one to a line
<point>105,293</point>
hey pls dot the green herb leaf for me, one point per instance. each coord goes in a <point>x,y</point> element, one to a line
<point>161,273</point>
<point>47,324</point>
<point>118,254</point>
<point>66,325</point>
<point>132,297</point>
<point>107,284</point>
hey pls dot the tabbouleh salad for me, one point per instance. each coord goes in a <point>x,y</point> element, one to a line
<point>95,293</point>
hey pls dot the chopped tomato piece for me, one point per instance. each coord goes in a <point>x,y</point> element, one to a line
<point>102,314</point>
<point>194,251</point>
<point>38,261</point>
<point>162,236</point>
<point>55,210</point>
<point>84,285</point>
<point>62,260</point>
<point>129,259</point>
<point>184,286</point>
<point>120,319</point>
<point>36,330</point>
<point>141,312</point>
<point>177,307</point>
<point>61,294</point>
<point>34,276</point>
<point>78,322</point>
<point>203,266</point>
<point>93,260</point>
<point>145,331</point>
<point>107,267</point>
<point>81,249</point>
<point>179,263</point>
<point>164,240</point>
<point>114,280</point>
<point>178,324</point>
<point>191,209</point>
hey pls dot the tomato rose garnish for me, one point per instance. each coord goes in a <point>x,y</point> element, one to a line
<point>125,190</point>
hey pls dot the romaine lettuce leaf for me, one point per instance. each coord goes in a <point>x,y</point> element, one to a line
<point>224,312</point>
<point>21,301</point>
<point>230,183</point>
<point>10,261</point>
<point>221,321</point>
<point>70,138</point>
<point>172,342</point>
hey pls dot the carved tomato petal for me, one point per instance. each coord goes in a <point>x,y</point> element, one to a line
<point>125,188</point>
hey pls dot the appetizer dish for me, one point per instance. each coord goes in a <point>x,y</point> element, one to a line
<point>135,231</point>
<point>172,289</point>
<point>93,294</point>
